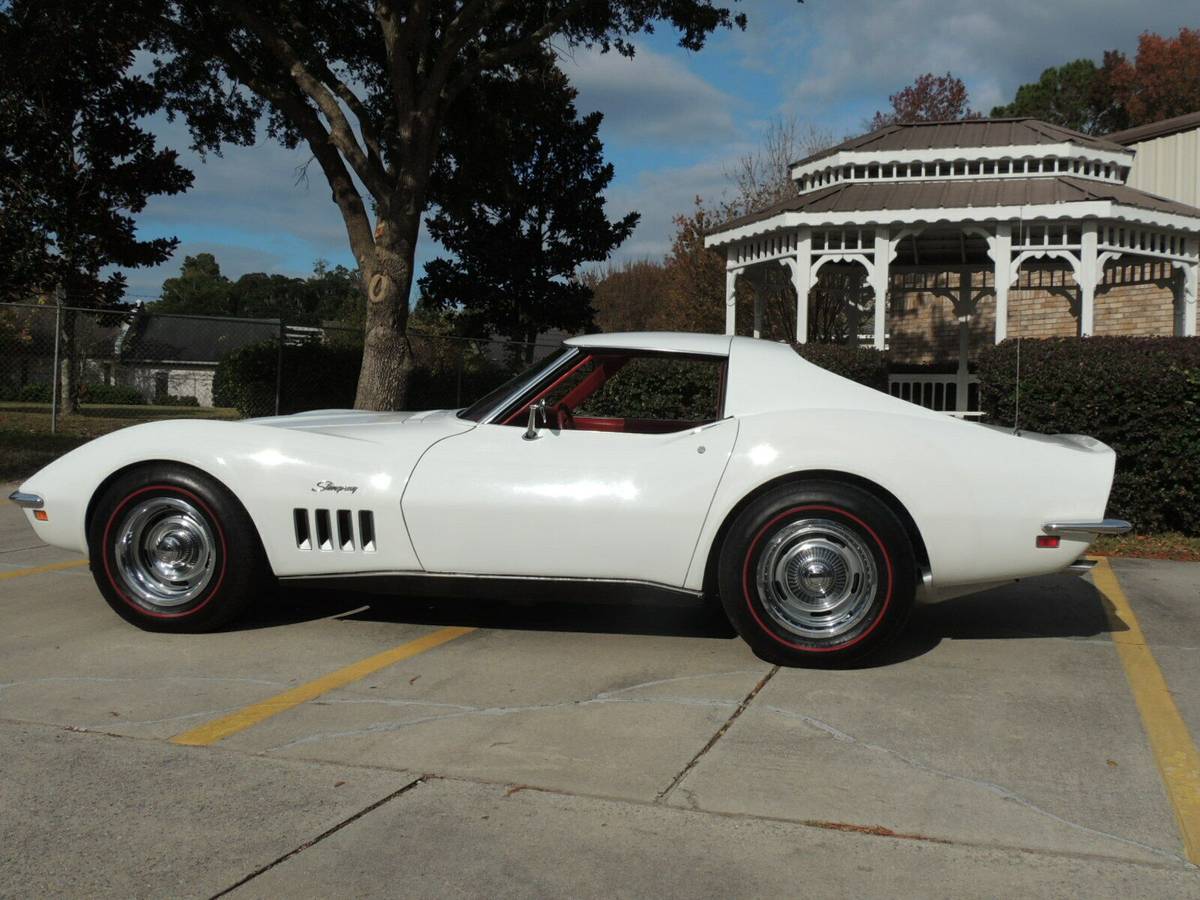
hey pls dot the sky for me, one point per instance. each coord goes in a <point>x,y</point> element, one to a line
<point>675,121</point>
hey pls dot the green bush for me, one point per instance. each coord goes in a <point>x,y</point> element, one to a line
<point>866,365</point>
<point>1141,396</point>
<point>120,394</point>
<point>325,376</point>
<point>174,400</point>
<point>25,393</point>
<point>314,376</point>
<point>658,388</point>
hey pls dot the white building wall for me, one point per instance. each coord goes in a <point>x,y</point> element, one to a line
<point>1169,167</point>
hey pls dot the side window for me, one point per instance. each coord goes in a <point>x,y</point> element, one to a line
<point>657,393</point>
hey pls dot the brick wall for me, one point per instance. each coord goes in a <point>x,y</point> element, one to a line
<point>1135,298</point>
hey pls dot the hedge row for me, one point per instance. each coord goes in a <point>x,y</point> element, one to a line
<point>866,365</point>
<point>1141,396</point>
<point>324,376</point>
<point>88,393</point>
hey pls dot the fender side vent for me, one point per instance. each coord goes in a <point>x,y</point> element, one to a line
<point>324,534</point>
<point>300,520</point>
<point>345,529</point>
<point>366,530</point>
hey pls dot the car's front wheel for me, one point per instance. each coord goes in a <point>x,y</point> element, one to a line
<point>172,550</point>
<point>816,573</point>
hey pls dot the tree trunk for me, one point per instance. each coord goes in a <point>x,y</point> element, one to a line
<point>387,360</point>
<point>70,364</point>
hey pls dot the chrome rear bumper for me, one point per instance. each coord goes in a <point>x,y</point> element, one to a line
<point>27,501</point>
<point>1106,526</point>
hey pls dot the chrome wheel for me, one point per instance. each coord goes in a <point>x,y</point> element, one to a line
<point>164,552</point>
<point>816,578</point>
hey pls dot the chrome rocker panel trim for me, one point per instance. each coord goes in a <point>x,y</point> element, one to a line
<point>1107,526</point>
<point>27,501</point>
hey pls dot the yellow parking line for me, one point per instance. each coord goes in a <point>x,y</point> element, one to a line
<point>242,719</point>
<point>38,570</point>
<point>1174,750</point>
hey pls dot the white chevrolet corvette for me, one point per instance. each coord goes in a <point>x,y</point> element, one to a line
<point>813,509</point>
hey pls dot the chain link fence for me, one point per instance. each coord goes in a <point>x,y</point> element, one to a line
<point>61,366</point>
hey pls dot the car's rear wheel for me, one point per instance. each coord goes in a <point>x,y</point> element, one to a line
<point>172,550</point>
<point>816,573</point>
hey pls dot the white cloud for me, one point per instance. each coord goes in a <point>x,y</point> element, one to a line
<point>650,98</point>
<point>660,195</point>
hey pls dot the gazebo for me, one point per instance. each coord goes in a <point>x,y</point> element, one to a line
<point>971,215</point>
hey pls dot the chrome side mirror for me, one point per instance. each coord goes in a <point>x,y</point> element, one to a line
<point>535,410</point>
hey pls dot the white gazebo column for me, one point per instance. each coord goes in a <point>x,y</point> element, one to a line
<point>801,266</point>
<point>878,275</point>
<point>1002,275</point>
<point>1088,276</point>
<point>731,275</point>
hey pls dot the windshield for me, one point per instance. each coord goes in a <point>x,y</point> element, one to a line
<point>478,410</point>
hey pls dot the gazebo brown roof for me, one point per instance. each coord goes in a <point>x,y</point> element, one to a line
<point>960,194</point>
<point>966,133</point>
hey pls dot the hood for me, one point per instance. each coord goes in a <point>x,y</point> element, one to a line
<point>363,424</point>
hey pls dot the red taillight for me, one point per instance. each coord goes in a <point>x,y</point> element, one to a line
<point>1049,541</point>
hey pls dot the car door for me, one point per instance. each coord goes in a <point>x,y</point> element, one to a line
<point>579,504</point>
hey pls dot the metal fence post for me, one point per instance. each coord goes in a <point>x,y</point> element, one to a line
<point>279,365</point>
<point>58,305</point>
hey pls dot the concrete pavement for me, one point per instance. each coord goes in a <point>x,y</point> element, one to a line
<point>571,749</point>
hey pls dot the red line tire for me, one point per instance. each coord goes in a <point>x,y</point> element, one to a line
<point>173,550</point>
<point>816,573</point>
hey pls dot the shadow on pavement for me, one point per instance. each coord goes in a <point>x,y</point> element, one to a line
<point>1058,606</point>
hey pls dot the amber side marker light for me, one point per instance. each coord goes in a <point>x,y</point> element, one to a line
<point>1048,541</point>
<point>41,515</point>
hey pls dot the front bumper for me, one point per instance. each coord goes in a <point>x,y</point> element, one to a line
<point>27,501</point>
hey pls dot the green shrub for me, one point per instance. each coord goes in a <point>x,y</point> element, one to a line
<point>314,376</point>
<point>118,394</point>
<point>25,393</point>
<point>1141,396</point>
<point>866,365</point>
<point>174,400</point>
<point>658,388</point>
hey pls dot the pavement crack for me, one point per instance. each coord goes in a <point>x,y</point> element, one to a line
<point>741,708</point>
<point>457,711</point>
<point>989,786</point>
<point>320,837</point>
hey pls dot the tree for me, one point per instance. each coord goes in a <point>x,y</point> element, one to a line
<point>627,296</point>
<point>764,175</point>
<point>1163,80</point>
<point>1075,95</point>
<point>368,87</point>
<point>931,98</point>
<point>75,165</point>
<point>519,202</point>
<point>695,290</point>
<point>199,290</point>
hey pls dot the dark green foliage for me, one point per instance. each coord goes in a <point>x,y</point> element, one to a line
<point>75,162</point>
<point>323,376</point>
<point>173,400</point>
<point>1141,396</point>
<point>520,206</point>
<point>654,388</point>
<point>124,395</point>
<point>1075,95</point>
<point>121,394</point>
<point>865,365</point>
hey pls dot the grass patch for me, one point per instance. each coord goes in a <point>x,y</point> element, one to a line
<point>1168,545</point>
<point>26,443</point>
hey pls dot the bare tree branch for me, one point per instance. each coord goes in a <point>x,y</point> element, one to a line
<point>341,133</point>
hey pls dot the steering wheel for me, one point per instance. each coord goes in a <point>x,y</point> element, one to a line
<point>565,417</point>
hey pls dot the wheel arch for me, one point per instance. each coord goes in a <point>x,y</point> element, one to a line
<point>113,476</point>
<point>877,490</point>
